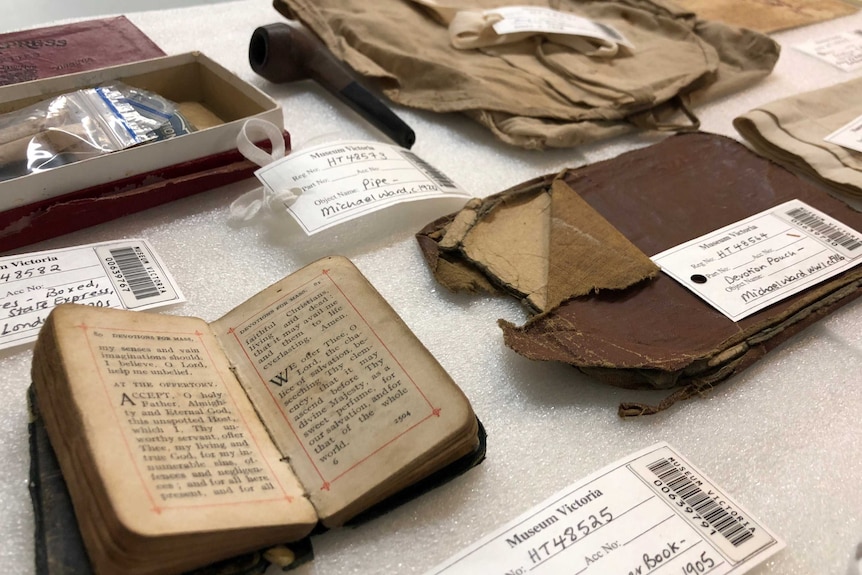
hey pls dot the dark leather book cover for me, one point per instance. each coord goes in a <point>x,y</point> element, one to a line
<point>56,50</point>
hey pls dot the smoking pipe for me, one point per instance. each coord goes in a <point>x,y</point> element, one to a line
<point>283,52</point>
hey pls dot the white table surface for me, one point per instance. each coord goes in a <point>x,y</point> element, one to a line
<point>782,437</point>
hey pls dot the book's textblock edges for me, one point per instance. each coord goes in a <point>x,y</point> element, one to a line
<point>59,549</point>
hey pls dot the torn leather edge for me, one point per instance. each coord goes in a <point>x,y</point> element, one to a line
<point>745,353</point>
<point>446,260</point>
<point>699,376</point>
<point>444,244</point>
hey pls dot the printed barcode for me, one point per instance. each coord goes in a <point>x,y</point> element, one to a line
<point>830,231</point>
<point>433,173</point>
<point>717,516</point>
<point>134,272</point>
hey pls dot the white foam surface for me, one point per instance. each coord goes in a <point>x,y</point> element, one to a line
<point>782,438</point>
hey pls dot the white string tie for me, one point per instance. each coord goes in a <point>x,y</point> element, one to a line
<point>247,206</point>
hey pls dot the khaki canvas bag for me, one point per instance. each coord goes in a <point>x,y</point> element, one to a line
<point>538,91</point>
<point>791,131</point>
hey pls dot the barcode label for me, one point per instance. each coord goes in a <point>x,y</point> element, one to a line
<point>621,519</point>
<point>136,275</point>
<point>703,504</point>
<point>430,171</point>
<point>773,255</point>
<point>99,275</point>
<point>825,229</point>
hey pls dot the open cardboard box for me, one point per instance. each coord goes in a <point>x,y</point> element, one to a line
<point>46,204</point>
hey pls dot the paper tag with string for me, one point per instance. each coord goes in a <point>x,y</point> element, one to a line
<point>545,20</point>
<point>470,29</point>
<point>330,184</point>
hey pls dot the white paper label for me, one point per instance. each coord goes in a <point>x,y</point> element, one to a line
<point>843,50</point>
<point>849,136</point>
<point>342,181</point>
<point>123,274</point>
<point>538,20</point>
<point>750,265</point>
<point>652,513</point>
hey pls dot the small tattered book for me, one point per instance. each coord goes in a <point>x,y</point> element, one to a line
<point>183,442</point>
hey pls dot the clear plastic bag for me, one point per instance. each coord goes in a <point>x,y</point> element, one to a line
<point>83,124</point>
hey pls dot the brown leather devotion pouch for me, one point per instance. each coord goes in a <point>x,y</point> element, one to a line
<point>574,248</point>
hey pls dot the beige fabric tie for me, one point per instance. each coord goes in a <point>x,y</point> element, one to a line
<point>790,131</point>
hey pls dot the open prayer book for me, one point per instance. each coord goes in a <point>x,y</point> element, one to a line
<point>183,442</point>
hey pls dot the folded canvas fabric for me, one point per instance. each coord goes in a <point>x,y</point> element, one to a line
<point>768,15</point>
<point>618,320</point>
<point>790,131</point>
<point>537,92</point>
